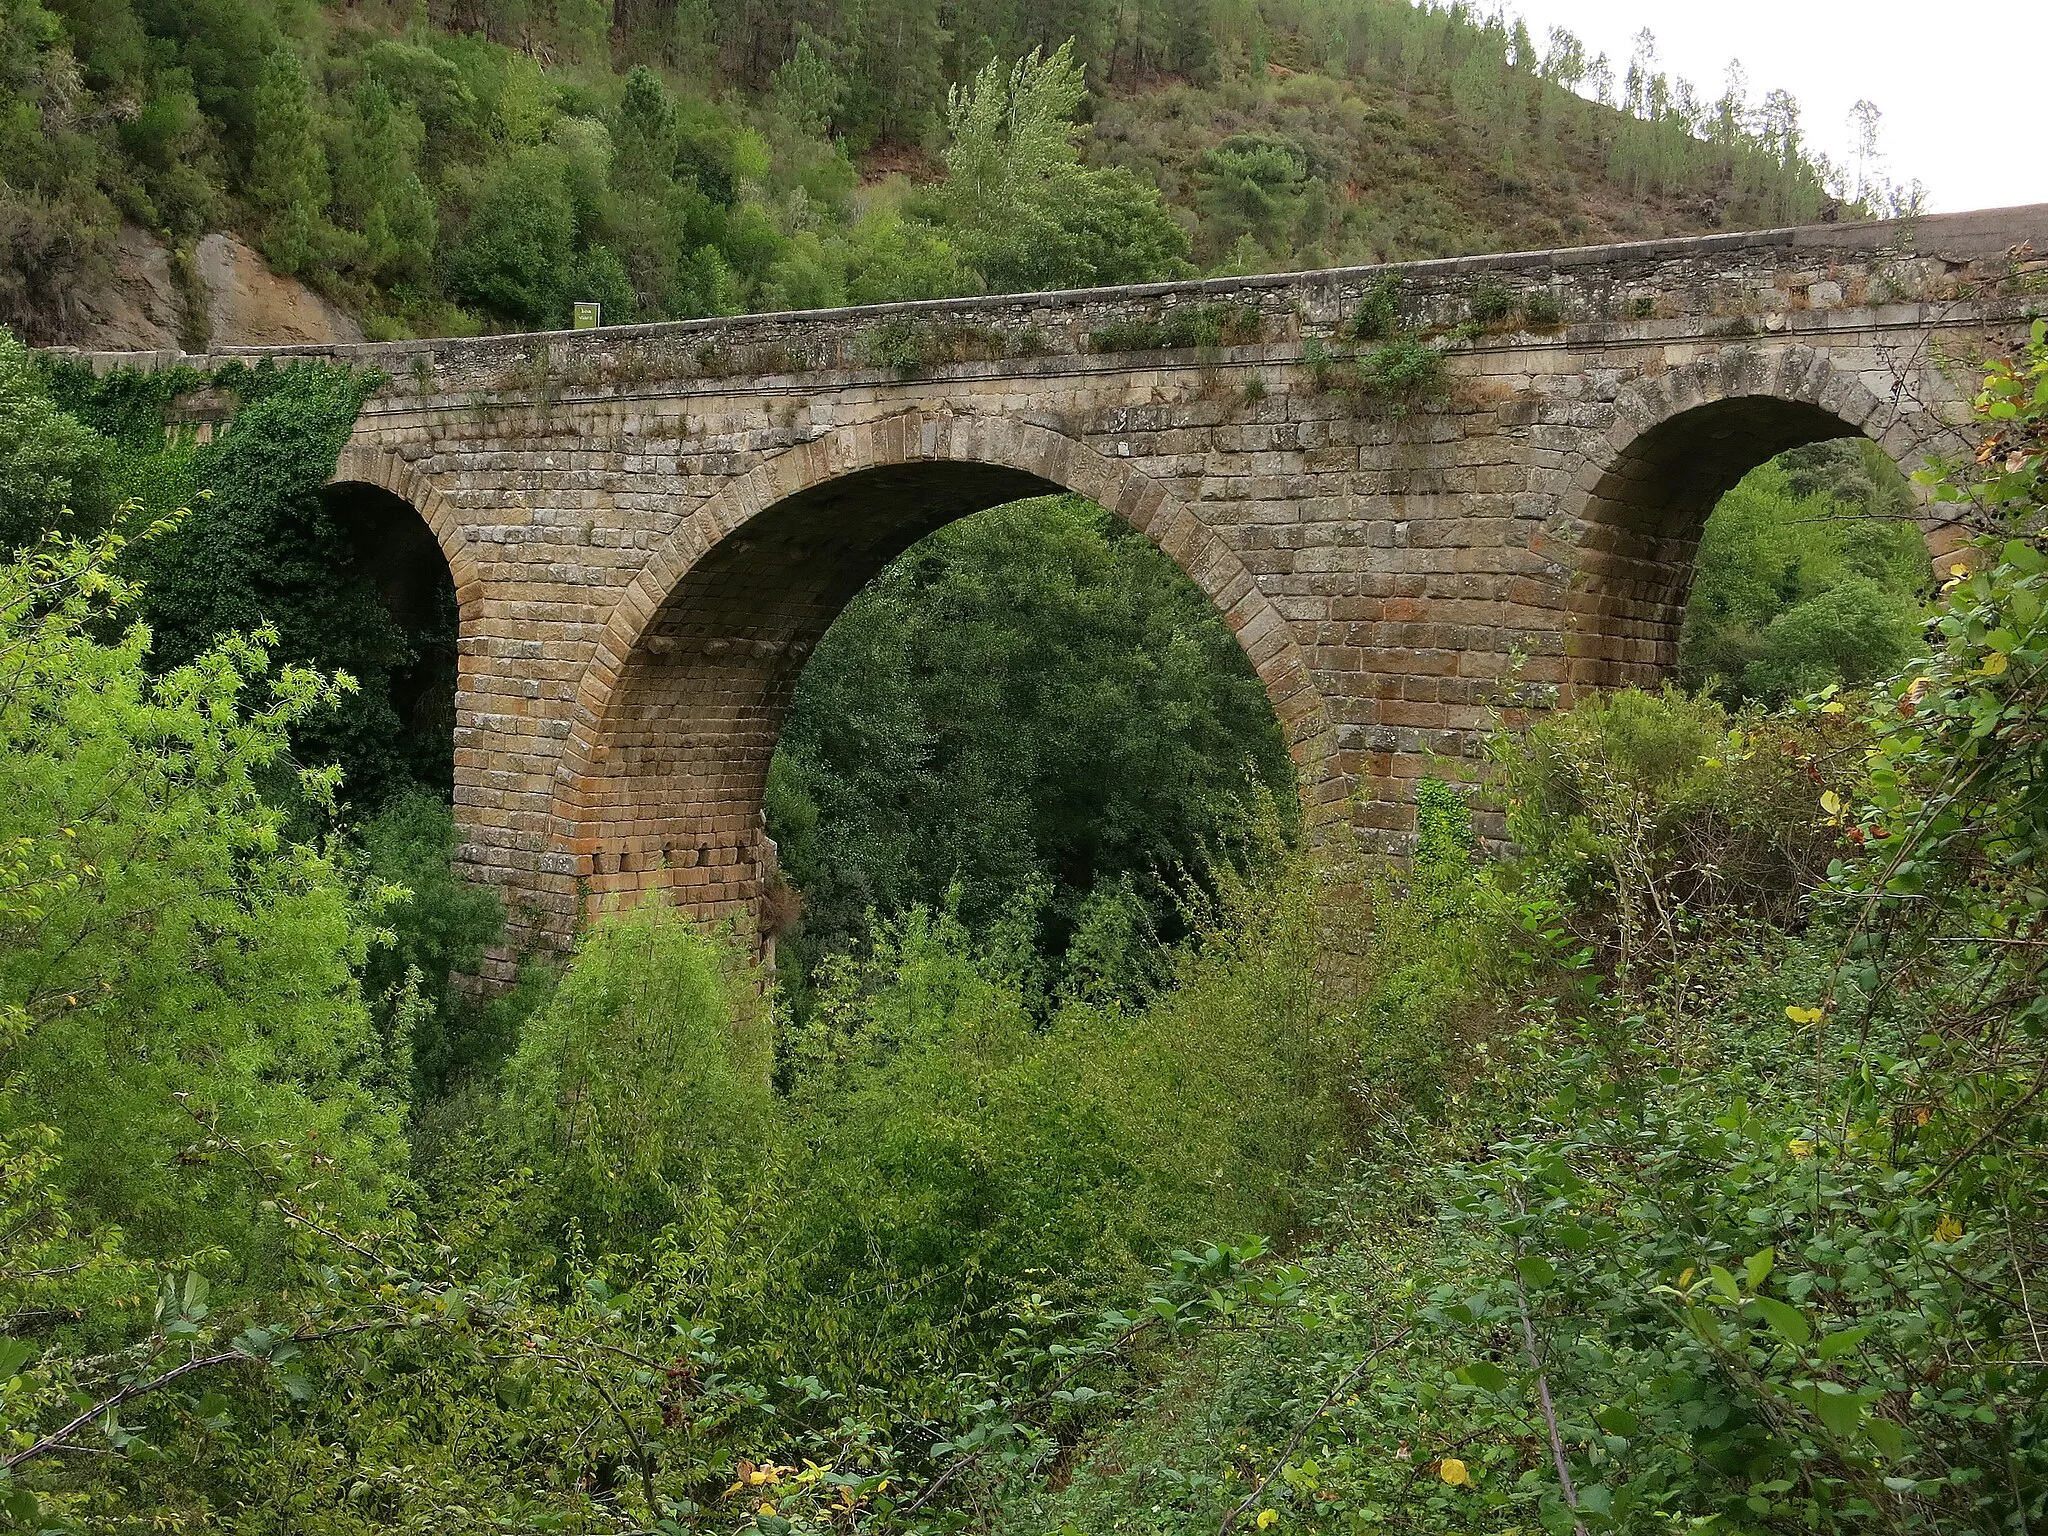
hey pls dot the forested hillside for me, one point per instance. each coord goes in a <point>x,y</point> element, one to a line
<point>440,169</point>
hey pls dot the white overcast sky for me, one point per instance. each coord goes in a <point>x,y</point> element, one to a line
<point>1954,78</point>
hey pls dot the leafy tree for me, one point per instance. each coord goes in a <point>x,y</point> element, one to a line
<point>590,1096</point>
<point>1027,215</point>
<point>521,238</point>
<point>288,175</point>
<point>1255,185</point>
<point>166,949</point>
<point>50,462</point>
<point>438,927</point>
<point>377,185</point>
<point>806,90</point>
<point>1809,572</point>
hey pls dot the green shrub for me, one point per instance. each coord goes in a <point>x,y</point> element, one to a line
<point>51,464</point>
<point>1491,302</point>
<point>1541,310</point>
<point>438,929</point>
<point>168,958</point>
<point>1379,312</point>
<point>644,1080</point>
<point>1400,373</point>
<point>1809,572</point>
<point>1181,326</point>
<point>1853,633</point>
<point>516,251</point>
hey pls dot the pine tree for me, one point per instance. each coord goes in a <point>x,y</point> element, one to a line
<point>288,178</point>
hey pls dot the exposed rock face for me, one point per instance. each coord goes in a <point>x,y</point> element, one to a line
<point>650,527</point>
<point>248,305</point>
<point>140,307</point>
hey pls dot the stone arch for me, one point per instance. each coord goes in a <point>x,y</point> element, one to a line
<point>676,717</point>
<point>405,532</point>
<point>363,464</point>
<point>1623,542</point>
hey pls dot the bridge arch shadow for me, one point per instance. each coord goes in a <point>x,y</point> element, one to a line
<point>411,548</point>
<point>661,782</point>
<point>1624,542</point>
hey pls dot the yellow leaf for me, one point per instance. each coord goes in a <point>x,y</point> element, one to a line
<point>1268,1518</point>
<point>1947,1230</point>
<point>1995,664</point>
<point>1799,1148</point>
<point>1833,707</point>
<point>1800,1015</point>
<point>1831,802</point>
<point>1959,569</point>
<point>767,1508</point>
<point>1454,1472</point>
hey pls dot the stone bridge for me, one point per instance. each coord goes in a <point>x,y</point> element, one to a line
<point>650,527</point>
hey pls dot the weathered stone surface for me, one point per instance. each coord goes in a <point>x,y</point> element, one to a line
<point>650,527</point>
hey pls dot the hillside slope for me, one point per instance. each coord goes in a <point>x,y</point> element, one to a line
<point>449,169</point>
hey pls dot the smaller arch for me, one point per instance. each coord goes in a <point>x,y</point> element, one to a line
<point>676,717</point>
<point>1626,535</point>
<point>390,472</point>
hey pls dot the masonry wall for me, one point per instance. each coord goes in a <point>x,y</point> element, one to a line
<point>649,527</point>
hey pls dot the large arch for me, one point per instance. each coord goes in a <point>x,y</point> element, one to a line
<point>660,783</point>
<point>1626,533</point>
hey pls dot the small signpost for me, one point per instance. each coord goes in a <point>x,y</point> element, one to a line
<point>589,316</point>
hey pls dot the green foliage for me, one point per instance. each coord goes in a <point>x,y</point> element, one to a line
<point>1181,325</point>
<point>515,255</point>
<point>1033,696</point>
<point>51,464</point>
<point>435,925</point>
<point>1491,303</point>
<point>263,545</point>
<point>1027,215</point>
<point>167,951</point>
<point>591,1096</point>
<point>288,175</point>
<point>1399,373</point>
<point>1809,573</point>
<point>1258,186</point>
<point>1379,312</point>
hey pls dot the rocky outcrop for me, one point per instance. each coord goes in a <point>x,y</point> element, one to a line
<point>142,306</point>
<point>248,305</point>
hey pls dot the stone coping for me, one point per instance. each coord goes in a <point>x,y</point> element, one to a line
<point>1955,237</point>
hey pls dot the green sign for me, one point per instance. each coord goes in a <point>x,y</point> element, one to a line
<point>588,316</point>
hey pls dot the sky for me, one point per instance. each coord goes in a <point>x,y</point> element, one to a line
<point>1940,73</point>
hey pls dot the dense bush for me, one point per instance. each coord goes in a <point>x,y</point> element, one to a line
<point>50,462</point>
<point>1810,572</point>
<point>169,958</point>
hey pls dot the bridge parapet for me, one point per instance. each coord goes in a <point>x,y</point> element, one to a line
<point>1800,281</point>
